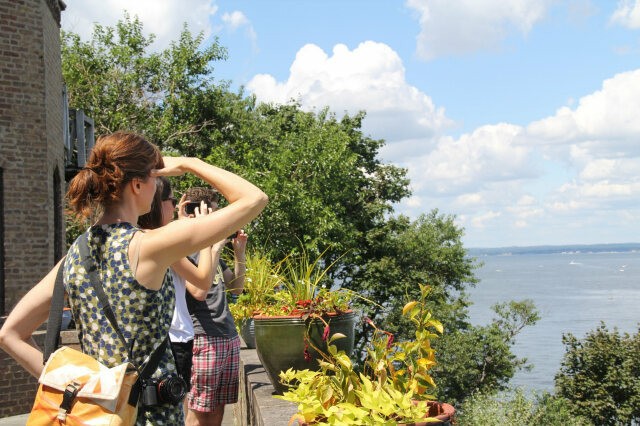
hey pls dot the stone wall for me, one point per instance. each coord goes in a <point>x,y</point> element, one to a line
<point>31,144</point>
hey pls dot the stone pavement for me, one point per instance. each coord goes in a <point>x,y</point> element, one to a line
<point>22,418</point>
<point>14,420</point>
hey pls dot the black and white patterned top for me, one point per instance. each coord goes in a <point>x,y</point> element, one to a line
<point>144,315</point>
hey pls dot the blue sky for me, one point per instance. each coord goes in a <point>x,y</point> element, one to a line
<point>519,117</point>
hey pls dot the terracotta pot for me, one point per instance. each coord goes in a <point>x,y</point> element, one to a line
<point>443,412</point>
<point>280,342</point>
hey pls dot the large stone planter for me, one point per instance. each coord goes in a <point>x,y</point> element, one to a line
<point>280,342</point>
<point>248,332</point>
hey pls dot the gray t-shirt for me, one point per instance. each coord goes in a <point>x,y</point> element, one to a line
<point>212,316</point>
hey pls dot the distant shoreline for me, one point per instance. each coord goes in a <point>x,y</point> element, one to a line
<point>549,249</point>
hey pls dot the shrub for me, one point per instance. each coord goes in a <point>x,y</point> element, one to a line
<point>516,408</point>
<point>600,375</point>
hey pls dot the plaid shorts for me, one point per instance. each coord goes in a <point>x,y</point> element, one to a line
<point>214,375</point>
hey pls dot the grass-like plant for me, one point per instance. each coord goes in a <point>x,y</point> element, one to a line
<point>307,289</point>
<point>262,279</point>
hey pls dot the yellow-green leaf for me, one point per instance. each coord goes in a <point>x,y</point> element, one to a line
<point>408,307</point>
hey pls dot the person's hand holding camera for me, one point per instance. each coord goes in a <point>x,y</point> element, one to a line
<point>239,241</point>
<point>182,214</point>
<point>193,208</point>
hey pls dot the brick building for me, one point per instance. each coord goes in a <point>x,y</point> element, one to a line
<point>32,165</point>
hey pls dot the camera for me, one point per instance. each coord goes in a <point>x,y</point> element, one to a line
<point>190,208</point>
<point>234,235</point>
<point>169,390</point>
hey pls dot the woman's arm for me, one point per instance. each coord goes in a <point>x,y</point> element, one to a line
<point>213,258</point>
<point>200,276</point>
<point>163,246</point>
<point>234,280</point>
<point>30,312</point>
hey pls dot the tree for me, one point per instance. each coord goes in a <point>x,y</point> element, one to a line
<point>479,358</point>
<point>517,408</point>
<point>121,85</point>
<point>600,375</point>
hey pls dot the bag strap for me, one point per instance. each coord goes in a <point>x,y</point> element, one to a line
<point>54,324</point>
<point>90,267</point>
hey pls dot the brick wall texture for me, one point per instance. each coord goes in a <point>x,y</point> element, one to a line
<point>31,145</point>
<point>31,151</point>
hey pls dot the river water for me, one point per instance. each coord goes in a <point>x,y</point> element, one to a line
<point>573,292</point>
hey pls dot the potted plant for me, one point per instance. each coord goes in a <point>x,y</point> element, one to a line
<point>391,389</point>
<point>262,278</point>
<point>301,313</point>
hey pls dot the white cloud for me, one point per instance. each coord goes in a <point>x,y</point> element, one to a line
<point>581,164</point>
<point>414,201</point>
<point>463,26</point>
<point>606,120</point>
<point>236,20</point>
<point>586,198</point>
<point>469,199</point>
<point>627,14</point>
<point>489,154</point>
<point>164,18</point>
<point>369,77</point>
<point>525,208</point>
<point>622,169</point>
<point>481,220</point>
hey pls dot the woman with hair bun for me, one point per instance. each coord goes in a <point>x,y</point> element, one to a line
<point>118,185</point>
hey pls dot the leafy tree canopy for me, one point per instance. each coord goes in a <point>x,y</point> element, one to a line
<point>600,375</point>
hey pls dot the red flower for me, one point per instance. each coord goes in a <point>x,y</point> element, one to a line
<point>325,334</point>
<point>303,303</point>
<point>307,355</point>
<point>389,340</point>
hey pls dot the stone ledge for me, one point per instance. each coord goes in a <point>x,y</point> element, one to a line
<point>256,404</point>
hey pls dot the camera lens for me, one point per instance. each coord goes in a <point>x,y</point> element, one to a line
<point>172,389</point>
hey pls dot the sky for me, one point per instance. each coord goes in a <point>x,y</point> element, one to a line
<point>520,118</point>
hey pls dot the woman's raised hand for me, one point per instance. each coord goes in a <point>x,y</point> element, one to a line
<point>173,166</point>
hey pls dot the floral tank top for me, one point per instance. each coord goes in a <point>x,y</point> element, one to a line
<point>144,315</point>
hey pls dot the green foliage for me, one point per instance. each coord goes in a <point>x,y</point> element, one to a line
<point>75,225</point>
<point>515,408</point>
<point>479,359</point>
<point>121,85</point>
<point>401,252</point>
<point>295,285</point>
<point>391,389</point>
<point>600,375</point>
<point>262,278</point>
<point>326,187</point>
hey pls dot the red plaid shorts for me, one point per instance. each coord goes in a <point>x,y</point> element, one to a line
<point>214,375</point>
